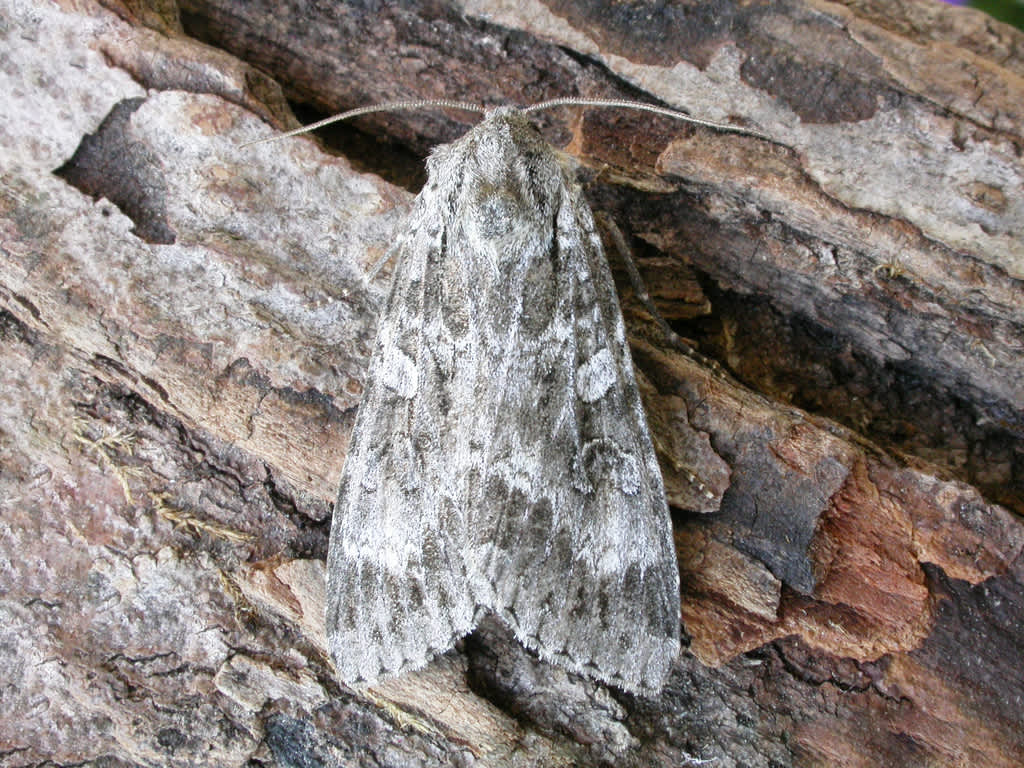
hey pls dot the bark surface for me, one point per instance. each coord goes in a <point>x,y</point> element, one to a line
<point>186,331</point>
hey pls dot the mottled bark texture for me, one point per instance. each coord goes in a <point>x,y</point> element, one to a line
<point>186,332</point>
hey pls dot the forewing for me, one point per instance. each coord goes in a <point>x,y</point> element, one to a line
<point>569,522</point>
<point>397,588</point>
<point>583,562</point>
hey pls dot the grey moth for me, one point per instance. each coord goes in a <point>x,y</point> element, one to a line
<point>501,461</point>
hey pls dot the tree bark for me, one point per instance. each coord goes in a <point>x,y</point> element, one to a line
<point>187,327</point>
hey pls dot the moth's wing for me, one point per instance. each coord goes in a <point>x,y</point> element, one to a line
<point>582,564</point>
<point>397,588</point>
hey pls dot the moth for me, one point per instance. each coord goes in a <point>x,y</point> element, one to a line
<point>500,460</point>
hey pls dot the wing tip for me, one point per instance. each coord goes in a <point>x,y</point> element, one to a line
<point>643,672</point>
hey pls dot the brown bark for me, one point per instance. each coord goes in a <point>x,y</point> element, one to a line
<point>186,332</point>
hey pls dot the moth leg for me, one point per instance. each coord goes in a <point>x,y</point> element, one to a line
<point>378,265</point>
<point>671,337</point>
<point>366,278</point>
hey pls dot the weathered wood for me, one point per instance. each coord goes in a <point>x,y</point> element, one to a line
<point>186,329</point>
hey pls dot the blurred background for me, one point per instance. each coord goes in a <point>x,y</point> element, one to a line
<point>1010,11</point>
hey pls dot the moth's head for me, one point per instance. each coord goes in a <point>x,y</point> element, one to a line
<point>510,181</point>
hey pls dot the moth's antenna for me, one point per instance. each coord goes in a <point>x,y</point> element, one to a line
<point>465,106</point>
<point>387,106</point>
<point>572,101</point>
